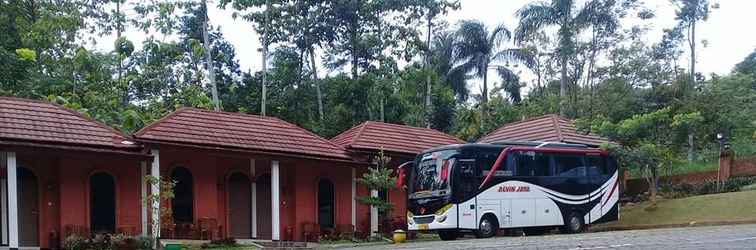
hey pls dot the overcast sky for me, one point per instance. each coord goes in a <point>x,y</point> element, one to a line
<point>729,30</point>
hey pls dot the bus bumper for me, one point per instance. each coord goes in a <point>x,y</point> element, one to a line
<point>431,222</point>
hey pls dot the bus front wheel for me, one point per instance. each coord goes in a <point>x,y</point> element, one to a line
<point>448,234</point>
<point>487,227</point>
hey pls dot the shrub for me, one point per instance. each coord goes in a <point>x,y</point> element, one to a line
<point>107,242</point>
<point>681,190</point>
<point>222,243</point>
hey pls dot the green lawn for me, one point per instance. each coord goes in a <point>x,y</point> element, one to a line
<point>734,206</point>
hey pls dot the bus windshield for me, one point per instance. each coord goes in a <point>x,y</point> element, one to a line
<point>431,175</point>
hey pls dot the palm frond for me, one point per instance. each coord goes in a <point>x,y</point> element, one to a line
<point>533,18</point>
<point>510,83</point>
<point>518,55</point>
<point>499,35</point>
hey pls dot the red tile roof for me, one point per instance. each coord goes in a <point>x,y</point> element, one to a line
<point>552,128</point>
<point>373,135</point>
<point>32,122</point>
<point>201,127</point>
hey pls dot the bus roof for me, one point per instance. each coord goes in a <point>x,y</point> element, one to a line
<point>524,145</point>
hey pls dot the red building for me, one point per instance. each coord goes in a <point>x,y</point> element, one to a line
<point>401,143</point>
<point>235,175</point>
<point>64,173</point>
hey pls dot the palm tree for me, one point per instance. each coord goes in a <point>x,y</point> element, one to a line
<point>478,50</point>
<point>444,58</point>
<point>540,15</point>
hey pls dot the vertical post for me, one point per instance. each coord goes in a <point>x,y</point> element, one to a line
<point>155,192</point>
<point>354,198</point>
<point>143,186</point>
<point>12,201</point>
<point>254,197</point>
<point>373,215</point>
<point>275,212</point>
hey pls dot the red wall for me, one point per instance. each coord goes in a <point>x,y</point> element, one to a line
<point>298,183</point>
<point>64,190</point>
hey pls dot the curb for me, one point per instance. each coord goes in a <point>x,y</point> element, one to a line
<point>677,225</point>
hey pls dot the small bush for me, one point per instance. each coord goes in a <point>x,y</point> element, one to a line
<point>682,190</point>
<point>107,242</point>
<point>222,243</point>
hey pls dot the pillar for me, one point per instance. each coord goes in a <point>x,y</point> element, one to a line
<point>275,192</point>
<point>354,198</point>
<point>145,221</point>
<point>254,197</point>
<point>155,191</point>
<point>12,201</point>
<point>373,215</point>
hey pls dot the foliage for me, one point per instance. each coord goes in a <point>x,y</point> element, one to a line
<point>107,242</point>
<point>379,177</point>
<point>221,243</point>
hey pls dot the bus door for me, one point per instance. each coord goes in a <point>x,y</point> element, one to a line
<point>465,182</point>
<point>598,174</point>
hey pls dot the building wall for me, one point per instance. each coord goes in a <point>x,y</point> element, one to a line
<point>64,191</point>
<point>298,184</point>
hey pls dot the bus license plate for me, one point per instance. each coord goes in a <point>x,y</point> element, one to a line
<point>422,226</point>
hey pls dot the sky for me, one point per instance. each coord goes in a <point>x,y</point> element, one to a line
<point>728,31</point>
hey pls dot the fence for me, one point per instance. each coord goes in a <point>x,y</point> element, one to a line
<point>729,167</point>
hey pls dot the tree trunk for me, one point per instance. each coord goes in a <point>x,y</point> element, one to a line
<point>693,54</point>
<point>265,59</point>
<point>563,87</point>
<point>208,57</point>
<point>427,72</point>
<point>484,93</point>
<point>318,91</point>
<point>691,153</point>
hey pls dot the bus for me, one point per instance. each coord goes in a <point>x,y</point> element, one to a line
<point>536,186</point>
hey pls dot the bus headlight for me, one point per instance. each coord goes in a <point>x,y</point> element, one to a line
<point>440,218</point>
<point>444,209</point>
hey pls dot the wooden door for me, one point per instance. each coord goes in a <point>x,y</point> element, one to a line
<point>264,215</point>
<point>28,208</point>
<point>239,206</point>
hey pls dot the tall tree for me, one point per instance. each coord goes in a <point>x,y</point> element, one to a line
<point>480,49</point>
<point>570,21</point>
<point>688,14</point>
<point>208,55</point>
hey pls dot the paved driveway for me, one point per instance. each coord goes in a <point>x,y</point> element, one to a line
<point>715,237</point>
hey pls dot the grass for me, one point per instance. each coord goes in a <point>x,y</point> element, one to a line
<point>733,206</point>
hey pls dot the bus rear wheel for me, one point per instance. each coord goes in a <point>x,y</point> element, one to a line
<point>573,224</point>
<point>487,227</point>
<point>448,234</point>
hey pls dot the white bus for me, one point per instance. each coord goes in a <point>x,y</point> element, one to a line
<point>536,186</point>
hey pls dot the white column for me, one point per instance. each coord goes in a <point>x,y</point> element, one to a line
<point>373,215</point>
<point>354,198</point>
<point>155,191</point>
<point>143,186</point>
<point>275,222</point>
<point>12,201</point>
<point>254,197</point>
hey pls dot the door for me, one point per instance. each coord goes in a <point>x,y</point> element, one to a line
<point>325,204</point>
<point>264,215</point>
<point>240,206</point>
<point>102,203</point>
<point>28,208</point>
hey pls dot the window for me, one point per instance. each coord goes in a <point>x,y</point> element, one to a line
<point>569,165</point>
<point>531,164</point>
<point>596,165</point>
<point>485,159</point>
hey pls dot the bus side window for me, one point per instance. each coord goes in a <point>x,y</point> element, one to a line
<point>611,165</point>
<point>569,165</point>
<point>532,164</point>
<point>596,165</point>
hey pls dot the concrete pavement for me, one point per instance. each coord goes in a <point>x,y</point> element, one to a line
<point>713,237</point>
